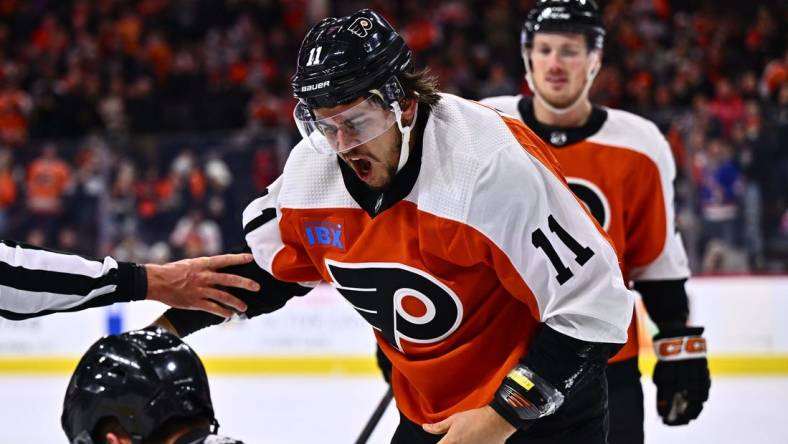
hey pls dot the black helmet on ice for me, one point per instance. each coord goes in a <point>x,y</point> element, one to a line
<point>142,379</point>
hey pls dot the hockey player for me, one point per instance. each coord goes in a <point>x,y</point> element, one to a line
<point>141,387</point>
<point>498,309</point>
<point>622,168</point>
<point>35,281</point>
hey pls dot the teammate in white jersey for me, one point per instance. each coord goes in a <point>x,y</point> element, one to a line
<point>497,309</point>
<point>622,168</point>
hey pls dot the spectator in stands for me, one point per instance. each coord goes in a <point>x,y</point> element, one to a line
<point>197,236</point>
<point>48,179</point>
<point>726,106</point>
<point>89,185</point>
<point>219,200</point>
<point>720,189</point>
<point>122,212</point>
<point>15,107</point>
<point>8,190</point>
<point>132,68</point>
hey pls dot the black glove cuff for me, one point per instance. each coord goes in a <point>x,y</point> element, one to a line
<point>187,322</point>
<point>666,301</point>
<point>679,331</point>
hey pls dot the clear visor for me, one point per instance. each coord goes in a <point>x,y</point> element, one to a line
<point>346,130</point>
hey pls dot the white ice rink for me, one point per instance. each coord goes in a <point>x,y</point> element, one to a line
<point>308,410</point>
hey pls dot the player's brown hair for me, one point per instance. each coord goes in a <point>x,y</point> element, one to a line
<point>420,85</point>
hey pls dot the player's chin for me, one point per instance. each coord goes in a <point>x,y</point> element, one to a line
<point>378,179</point>
<point>561,100</point>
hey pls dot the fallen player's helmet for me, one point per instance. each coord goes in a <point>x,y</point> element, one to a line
<point>142,379</point>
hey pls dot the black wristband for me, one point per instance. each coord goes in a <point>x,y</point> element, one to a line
<point>666,301</point>
<point>140,282</point>
<point>132,282</point>
<point>187,322</point>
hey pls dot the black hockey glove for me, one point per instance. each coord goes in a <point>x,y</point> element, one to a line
<point>273,295</point>
<point>681,374</point>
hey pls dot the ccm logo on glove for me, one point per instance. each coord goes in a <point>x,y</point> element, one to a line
<point>673,349</point>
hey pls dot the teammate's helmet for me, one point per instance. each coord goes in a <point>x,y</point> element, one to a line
<point>344,58</point>
<point>572,16</point>
<point>142,379</point>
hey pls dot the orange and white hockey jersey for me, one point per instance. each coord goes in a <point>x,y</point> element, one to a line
<point>475,243</point>
<point>622,168</point>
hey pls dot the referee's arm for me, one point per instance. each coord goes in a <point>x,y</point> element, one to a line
<point>35,281</point>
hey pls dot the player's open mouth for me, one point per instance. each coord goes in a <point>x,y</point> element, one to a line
<point>361,166</point>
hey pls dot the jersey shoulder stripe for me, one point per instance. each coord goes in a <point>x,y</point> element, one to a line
<point>505,104</point>
<point>625,130</point>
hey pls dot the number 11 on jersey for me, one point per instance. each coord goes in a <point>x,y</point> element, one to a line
<point>542,242</point>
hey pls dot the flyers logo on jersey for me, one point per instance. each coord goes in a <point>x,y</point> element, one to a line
<point>325,233</point>
<point>403,303</point>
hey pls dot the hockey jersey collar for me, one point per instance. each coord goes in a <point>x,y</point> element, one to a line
<point>374,202</point>
<point>557,136</point>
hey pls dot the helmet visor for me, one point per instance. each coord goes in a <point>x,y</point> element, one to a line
<point>346,130</point>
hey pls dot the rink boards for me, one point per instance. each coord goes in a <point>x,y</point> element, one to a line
<point>744,316</point>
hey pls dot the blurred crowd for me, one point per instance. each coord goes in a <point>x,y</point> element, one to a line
<point>142,128</point>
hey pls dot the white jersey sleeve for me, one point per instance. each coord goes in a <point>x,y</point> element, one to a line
<point>672,263</point>
<point>504,104</point>
<point>263,236</point>
<point>261,228</point>
<point>561,255</point>
<point>635,133</point>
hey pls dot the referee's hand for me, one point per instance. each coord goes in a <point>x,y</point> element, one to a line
<point>191,284</point>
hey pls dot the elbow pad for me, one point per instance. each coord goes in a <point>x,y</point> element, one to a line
<point>554,368</point>
<point>528,394</point>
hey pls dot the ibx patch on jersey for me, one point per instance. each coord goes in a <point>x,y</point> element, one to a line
<point>360,26</point>
<point>325,233</point>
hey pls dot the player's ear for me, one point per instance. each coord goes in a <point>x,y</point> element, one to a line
<point>596,62</point>
<point>408,111</point>
<point>111,438</point>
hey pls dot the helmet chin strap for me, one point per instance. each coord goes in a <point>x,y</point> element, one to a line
<point>404,151</point>
<point>591,73</point>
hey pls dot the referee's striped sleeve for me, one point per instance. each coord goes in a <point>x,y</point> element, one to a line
<point>35,281</point>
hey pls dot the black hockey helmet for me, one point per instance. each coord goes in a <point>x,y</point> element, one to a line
<point>344,58</point>
<point>572,16</point>
<point>142,379</point>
